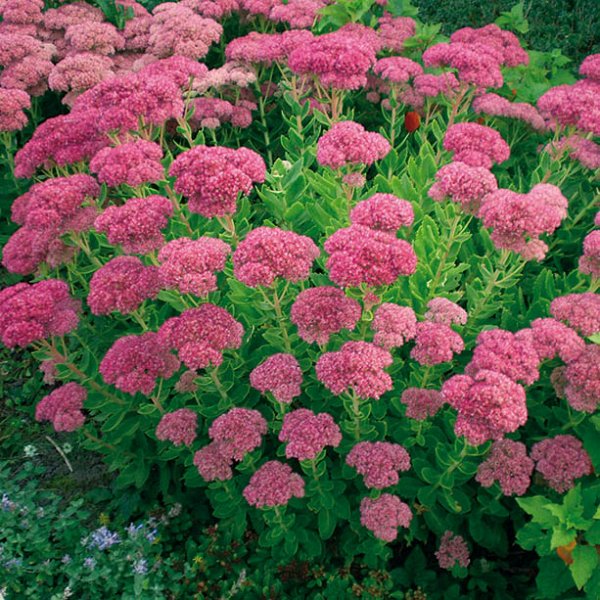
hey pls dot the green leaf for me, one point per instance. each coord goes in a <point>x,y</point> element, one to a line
<point>561,537</point>
<point>585,561</point>
<point>327,522</point>
<point>536,506</point>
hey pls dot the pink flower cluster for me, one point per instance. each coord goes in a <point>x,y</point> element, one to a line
<point>319,312</point>
<point>359,254</point>
<point>580,311</point>
<point>63,407</point>
<point>421,403</point>
<point>518,220</point>
<point>33,312</point>
<point>587,152</point>
<point>497,106</point>
<point>12,104</point>
<point>435,343</point>
<point>190,265</point>
<point>453,549</point>
<point>269,252</point>
<point>137,224</point>
<point>307,433</point>
<point>509,465</point>
<point>122,285</point>
<point>581,377</point>
<point>561,460</point>
<point>274,484</point>
<point>200,335</point>
<point>397,69</point>
<point>178,427</point>
<point>589,262</point>
<point>348,143</point>
<point>489,405</point>
<point>476,145</point>
<point>135,362</point>
<point>78,73</point>
<point>442,310</point>
<point>379,462</point>
<point>394,31</point>
<point>266,48</point>
<point>281,375</point>
<point>357,367</point>
<point>383,212</point>
<point>550,338</point>
<point>213,112</point>
<point>393,325</point>
<point>428,85</point>
<point>212,177</point>
<point>382,516</point>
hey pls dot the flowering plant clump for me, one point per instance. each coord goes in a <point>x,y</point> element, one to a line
<point>324,275</point>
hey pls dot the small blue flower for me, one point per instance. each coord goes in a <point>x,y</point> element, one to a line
<point>103,538</point>
<point>140,567</point>
<point>90,563</point>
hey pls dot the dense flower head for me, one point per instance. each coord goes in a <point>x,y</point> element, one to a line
<point>135,362</point>
<point>512,354</point>
<point>394,31</point>
<point>580,311</point>
<point>393,325</point>
<point>273,484</point>
<point>32,312</point>
<point>215,9</point>
<point>180,69</point>
<point>214,462</point>
<point>213,112</point>
<point>321,311</point>
<point>430,85</point>
<point>561,460</point>
<point>379,462</point>
<point>435,343</point>
<point>265,48</point>
<point>80,72</point>
<point>27,63</point>
<point>497,106</point>
<point>178,427</point>
<point>133,163</point>
<point>63,407</point>
<point>307,433</point>
<point>241,428</point>
<point>122,285</point>
<point>137,224</point>
<point>442,310</point>
<point>463,184</point>
<point>297,13</point>
<point>269,252</point>
<point>12,104</point>
<point>200,335</point>
<point>518,220</point>
<point>281,375</point>
<point>587,152</point>
<point>357,367</point>
<point>212,177</point>
<point>489,405</point>
<point>453,549</point>
<point>99,38</point>
<point>190,266</point>
<point>176,29</point>
<point>421,403</point>
<point>476,145</point>
<point>589,262</point>
<point>582,380</point>
<point>68,14</point>
<point>509,465</point>
<point>397,69</point>
<point>22,12</point>
<point>550,338</point>
<point>348,143</point>
<point>384,212</point>
<point>382,516</point>
<point>340,59</point>
<point>359,254</point>
<point>230,75</point>
<point>186,384</point>
<point>590,67</point>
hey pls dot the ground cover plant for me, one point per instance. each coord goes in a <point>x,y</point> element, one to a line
<point>319,275</point>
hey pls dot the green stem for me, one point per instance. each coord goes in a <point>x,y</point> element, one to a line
<point>215,378</point>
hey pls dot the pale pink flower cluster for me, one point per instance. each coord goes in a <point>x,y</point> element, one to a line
<point>135,362</point>
<point>476,145</point>
<point>63,407</point>
<point>463,184</point>
<point>137,224</point>
<point>190,266</point>
<point>397,69</point>
<point>298,14</point>
<point>384,212</point>
<point>178,427</point>
<point>587,152</point>
<point>442,310</point>
<point>215,9</point>
<point>581,378</point>
<point>186,384</point>
<point>382,516</point>
<point>12,105</point>
<point>122,285</point>
<point>22,12</point>
<point>518,220</point>
<point>213,112</point>
<point>497,106</point>
<point>393,325</point>
<point>509,465</point>
<point>213,177</point>
<point>274,484</point>
<point>580,311</point>
<point>213,462</point>
<point>435,343</point>
<point>489,405</point>
<point>265,48</point>
<point>33,312</point>
<point>267,253</point>
<point>201,335</point>
<point>359,254</point>
<point>92,36</point>
<point>589,262</point>
<point>429,85</point>
<point>550,338</point>
<point>394,31</point>
<point>80,72</point>
<point>453,549</point>
<point>379,462</point>
<point>281,375</point>
<point>319,312</point>
<point>561,460</point>
<point>421,403</point>
<point>348,143</point>
<point>307,433</point>
<point>357,367</point>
